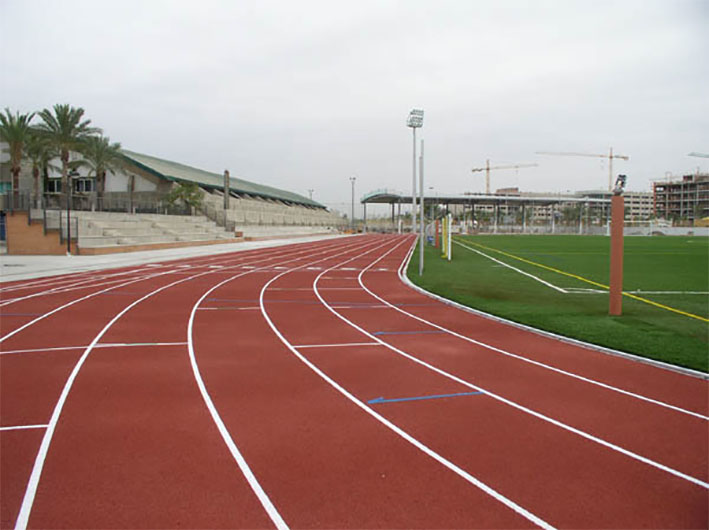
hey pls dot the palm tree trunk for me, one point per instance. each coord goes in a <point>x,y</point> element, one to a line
<point>15,170</point>
<point>101,185</point>
<point>35,191</point>
<point>65,177</point>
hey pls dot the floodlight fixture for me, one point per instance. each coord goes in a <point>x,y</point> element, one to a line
<point>415,119</point>
<point>619,185</point>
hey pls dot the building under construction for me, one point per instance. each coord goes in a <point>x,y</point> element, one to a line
<point>685,199</point>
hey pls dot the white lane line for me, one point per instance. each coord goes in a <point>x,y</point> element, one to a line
<point>416,443</point>
<point>536,278</point>
<point>531,361</point>
<point>65,289</point>
<point>22,427</point>
<point>9,352</point>
<point>68,304</point>
<point>31,489</point>
<point>105,345</point>
<point>216,417</point>
<point>235,261</point>
<point>341,345</point>
<point>522,408</point>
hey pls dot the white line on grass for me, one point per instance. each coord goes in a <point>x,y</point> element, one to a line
<point>536,278</point>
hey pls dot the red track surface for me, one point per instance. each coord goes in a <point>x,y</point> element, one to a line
<point>232,391</point>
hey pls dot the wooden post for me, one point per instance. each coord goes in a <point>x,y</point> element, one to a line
<point>438,225</point>
<point>615,306</point>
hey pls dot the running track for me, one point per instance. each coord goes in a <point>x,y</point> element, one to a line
<point>241,391</point>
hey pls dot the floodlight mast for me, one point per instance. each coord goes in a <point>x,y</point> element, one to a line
<point>415,120</point>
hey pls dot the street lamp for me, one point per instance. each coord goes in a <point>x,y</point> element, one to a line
<point>69,198</point>
<point>310,192</point>
<point>415,120</point>
<point>352,180</point>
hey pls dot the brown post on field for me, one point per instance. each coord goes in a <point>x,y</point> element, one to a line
<point>615,306</point>
<point>438,227</point>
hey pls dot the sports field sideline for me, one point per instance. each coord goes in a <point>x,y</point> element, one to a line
<point>559,284</point>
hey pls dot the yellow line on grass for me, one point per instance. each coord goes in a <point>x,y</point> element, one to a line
<point>581,278</point>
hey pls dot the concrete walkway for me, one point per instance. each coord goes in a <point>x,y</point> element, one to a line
<point>13,268</point>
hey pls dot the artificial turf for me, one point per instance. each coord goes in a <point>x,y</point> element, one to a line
<point>665,269</point>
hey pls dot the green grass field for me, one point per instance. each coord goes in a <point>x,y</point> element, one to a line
<point>667,279</point>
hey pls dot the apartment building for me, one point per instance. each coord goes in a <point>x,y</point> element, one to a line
<point>682,199</point>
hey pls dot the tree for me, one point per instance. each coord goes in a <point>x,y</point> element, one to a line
<point>101,156</point>
<point>187,193</point>
<point>65,129</point>
<point>15,129</point>
<point>40,152</point>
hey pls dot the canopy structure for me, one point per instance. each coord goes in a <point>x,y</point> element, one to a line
<point>175,171</point>
<point>386,196</point>
<point>496,202</point>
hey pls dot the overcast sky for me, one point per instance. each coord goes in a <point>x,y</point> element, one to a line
<point>302,95</point>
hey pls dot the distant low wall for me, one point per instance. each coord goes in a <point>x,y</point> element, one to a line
<point>666,231</point>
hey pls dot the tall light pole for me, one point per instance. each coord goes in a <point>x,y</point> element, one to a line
<point>421,235</point>
<point>310,191</point>
<point>415,120</point>
<point>352,180</point>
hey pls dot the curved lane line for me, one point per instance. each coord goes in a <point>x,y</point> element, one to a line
<point>33,483</point>
<point>161,273</point>
<point>522,408</point>
<point>216,417</point>
<point>530,361</point>
<point>416,443</point>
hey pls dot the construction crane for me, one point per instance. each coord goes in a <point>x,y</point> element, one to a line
<point>699,155</point>
<point>488,168</point>
<point>610,156</point>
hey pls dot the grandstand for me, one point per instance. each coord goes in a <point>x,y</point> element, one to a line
<point>255,210</point>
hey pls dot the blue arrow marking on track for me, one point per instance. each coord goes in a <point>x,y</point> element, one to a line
<point>423,331</point>
<point>394,400</point>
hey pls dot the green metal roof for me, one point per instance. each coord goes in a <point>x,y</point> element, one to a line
<point>175,171</point>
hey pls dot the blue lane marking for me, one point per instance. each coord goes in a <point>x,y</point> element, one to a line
<point>394,400</point>
<point>406,332</point>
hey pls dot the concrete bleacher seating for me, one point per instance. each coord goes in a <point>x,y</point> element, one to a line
<point>108,229</point>
<point>257,217</point>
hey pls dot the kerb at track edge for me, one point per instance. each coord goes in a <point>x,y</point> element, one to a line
<point>595,347</point>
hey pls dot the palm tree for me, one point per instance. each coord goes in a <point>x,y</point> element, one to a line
<point>100,156</point>
<point>40,152</point>
<point>66,131</point>
<point>15,129</point>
